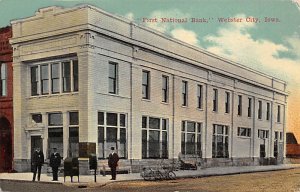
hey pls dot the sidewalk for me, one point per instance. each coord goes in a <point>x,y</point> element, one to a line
<point>88,180</point>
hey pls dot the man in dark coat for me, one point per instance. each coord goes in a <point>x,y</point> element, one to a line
<point>37,163</point>
<point>113,159</point>
<point>55,160</point>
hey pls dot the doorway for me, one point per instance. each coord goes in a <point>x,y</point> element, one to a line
<point>5,145</point>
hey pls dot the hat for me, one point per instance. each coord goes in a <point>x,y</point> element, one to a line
<point>112,148</point>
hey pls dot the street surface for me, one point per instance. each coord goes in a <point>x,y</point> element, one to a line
<point>274,181</point>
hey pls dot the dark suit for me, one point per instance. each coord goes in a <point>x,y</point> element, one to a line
<point>113,163</point>
<point>55,161</point>
<point>37,163</point>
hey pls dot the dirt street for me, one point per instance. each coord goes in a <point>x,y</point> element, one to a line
<point>281,181</point>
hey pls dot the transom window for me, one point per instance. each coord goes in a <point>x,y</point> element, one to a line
<point>220,141</point>
<point>154,137</point>
<point>54,78</point>
<point>263,134</point>
<point>3,79</point>
<point>244,132</point>
<point>191,138</point>
<point>112,130</point>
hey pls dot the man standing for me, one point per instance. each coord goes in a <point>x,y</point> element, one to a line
<point>55,161</point>
<point>113,159</point>
<point>37,163</point>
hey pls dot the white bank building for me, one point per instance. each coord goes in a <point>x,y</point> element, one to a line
<point>86,80</point>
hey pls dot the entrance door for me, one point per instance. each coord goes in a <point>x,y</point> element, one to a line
<point>36,142</point>
<point>5,145</point>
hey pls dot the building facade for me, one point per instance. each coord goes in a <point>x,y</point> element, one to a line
<point>86,80</point>
<point>6,103</point>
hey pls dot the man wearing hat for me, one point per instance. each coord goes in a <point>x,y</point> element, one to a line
<point>113,159</point>
<point>55,160</point>
<point>37,163</point>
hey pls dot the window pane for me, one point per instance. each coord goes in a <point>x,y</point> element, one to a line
<point>75,75</point>
<point>74,142</point>
<point>100,118</point>
<point>66,72</point>
<point>55,140</point>
<point>111,137</point>
<point>112,70</point>
<point>191,126</point>
<point>45,79</point>
<point>74,118</point>
<point>144,122</point>
<point>111,85</point>
<point>55,119</point>
<point>190,144</point>
<point>34,80</point>
<point>101,142</point>
<point>122,120</point>
<point>144,144</point>
<point>55,77</point>
<point>122,147</point>
<point>154,123</point>
<point>154,144</point>
<point>164,144</point>
<point>183,143</point>
<point>164,124</point>
<point>112,119</point>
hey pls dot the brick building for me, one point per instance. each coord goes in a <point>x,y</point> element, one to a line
<point>6,101</point>
<point>86,80</point>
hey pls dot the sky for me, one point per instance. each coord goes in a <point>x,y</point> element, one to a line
<point>271,45</point>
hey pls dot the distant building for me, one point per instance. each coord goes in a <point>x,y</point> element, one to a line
<point>86,80</point>
<point>6,103</point>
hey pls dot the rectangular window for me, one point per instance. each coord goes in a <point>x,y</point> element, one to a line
<point>55,119</point>
<point>154,138</point>
<point>227,102</point>
<point>244,132</point>
<point>55,78</point>
<point>259,109</point>
<point>191,138</point>
<point>200,96</point>
<point>66,76</point>
<point>145,85</point>
<point>34,80</point>
<point>215,100</point>
<point>263,134</point>
<point>45,79</point>
<point>184,93</point>
<point>112,132</point>
<point>3,79</point>
<point>55,140</point>
<point>278,114</point>
<point>249,107</point>
<point>240,109</point>
<point>112,78</point>
<point>63,78</point>
<point>165,88</point>
<point>268,112</point>
<point>220,141</point>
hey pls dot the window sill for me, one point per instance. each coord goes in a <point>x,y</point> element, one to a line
<point>200,109</point>
<point>165,103</point>
<point>52,95</point>
<point>147,100</point>
<point>244,137</point>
